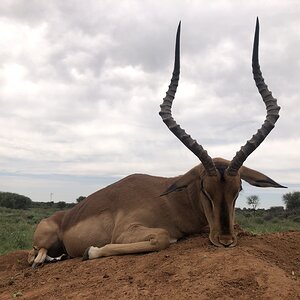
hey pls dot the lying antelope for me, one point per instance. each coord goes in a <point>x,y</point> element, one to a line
<point>143,213</point>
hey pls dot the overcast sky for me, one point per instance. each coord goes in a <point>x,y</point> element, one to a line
<point>81,83</point>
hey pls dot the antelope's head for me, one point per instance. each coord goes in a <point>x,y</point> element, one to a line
<point>219,180</point>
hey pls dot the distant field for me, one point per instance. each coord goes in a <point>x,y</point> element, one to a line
<point>17,226</point>
<point>263,223</point>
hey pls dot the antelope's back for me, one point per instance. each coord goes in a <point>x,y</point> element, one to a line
<point>130,193</point>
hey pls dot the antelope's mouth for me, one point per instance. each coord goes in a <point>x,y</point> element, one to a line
<point>223,240</point>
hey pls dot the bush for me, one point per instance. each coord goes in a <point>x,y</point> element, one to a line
<point>61,204</point>
<point>268,217</point>
<point>259,220</point>
<point>275,221</point>
<point>292,200</point>
<point>297,219</point>
<point>15,201</point>
<point>79,199</point>
<point>276,209</point>
<point>247,215</point>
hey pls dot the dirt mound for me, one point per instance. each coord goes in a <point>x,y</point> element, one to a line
<point>260,267</point>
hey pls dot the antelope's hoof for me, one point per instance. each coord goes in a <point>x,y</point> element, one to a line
<point>86,254</point>
<point>34,265</point>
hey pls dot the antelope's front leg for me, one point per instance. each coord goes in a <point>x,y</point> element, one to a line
<point>136,240</point>
<point>37,256</point>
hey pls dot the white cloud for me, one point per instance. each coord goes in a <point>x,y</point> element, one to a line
<point>81,85</point>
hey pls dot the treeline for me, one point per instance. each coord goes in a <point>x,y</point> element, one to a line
<point>16,201</point>
<point>52,204</point>
<point>268,214</point>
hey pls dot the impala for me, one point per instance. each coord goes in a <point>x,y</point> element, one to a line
<point>143,213</point>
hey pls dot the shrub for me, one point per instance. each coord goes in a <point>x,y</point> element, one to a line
<point>275,220</point>
<point>292,200</point>
<point>79,199</point>
<point>15,201</point>
<point>297,219</point>
<point>259,220</point>
<point>61,204</point>
<point>268,217</point>
<point>247,215</point>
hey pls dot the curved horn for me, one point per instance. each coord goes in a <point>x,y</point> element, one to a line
<point>166,115</point>
<point>272,112</point>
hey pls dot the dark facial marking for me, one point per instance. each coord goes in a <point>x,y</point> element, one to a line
<point>224,218</point>
<point>221,169</point>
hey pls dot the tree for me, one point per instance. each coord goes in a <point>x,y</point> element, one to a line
<point>253,201</point>
<point>79,199</point>
<point>292,200</point>
<point>61,204</point>
<point>13,200</point>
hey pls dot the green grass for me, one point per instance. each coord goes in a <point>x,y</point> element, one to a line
<point>258,225</point>
<point>17,227</point>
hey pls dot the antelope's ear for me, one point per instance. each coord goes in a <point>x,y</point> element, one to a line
<point>183,181</point>
<point>258,179</point>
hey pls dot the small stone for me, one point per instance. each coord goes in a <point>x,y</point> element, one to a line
<point>17,294</point>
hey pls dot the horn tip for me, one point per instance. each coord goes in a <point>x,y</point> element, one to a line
<point>179,26</point>
<point>257,23</point>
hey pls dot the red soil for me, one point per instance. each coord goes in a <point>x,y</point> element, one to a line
<point>260,267</point>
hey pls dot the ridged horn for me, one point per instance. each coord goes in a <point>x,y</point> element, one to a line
<point>167,118</point>
<point>272,112</point>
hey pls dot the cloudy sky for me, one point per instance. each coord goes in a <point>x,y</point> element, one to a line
<point>82,81</point>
